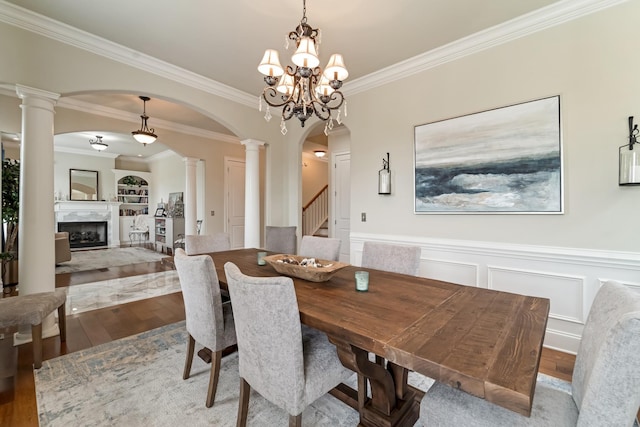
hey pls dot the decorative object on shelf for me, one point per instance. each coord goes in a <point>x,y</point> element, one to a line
<point>629,171</point>
<point>159,213</point>
<point>144,135</point>
<point>97,143</point>
<point>502,161</point>
<point>384,177</point>
<point>175,207</point>
<point>83,184</point>
<point>320,153</point>
<point>304,89</point>
<point>129,180</point>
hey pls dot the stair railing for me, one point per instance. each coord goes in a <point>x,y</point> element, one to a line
<point>316,212</point>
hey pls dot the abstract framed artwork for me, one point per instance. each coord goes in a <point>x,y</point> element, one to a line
<point>502,161</point>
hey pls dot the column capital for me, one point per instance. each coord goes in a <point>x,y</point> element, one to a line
<point>192,161</point>
<point>252,143</point>
<point>26,91</point>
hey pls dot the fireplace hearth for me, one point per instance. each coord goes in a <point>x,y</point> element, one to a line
<point>88,234</point>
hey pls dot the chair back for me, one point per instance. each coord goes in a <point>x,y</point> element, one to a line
<point>269,334</point>
<point>203,244</point>
<point>280,239</point>
<point>202,300</point>
<point>140,223</point>
<point>606,375</point>
<point>393,258</point>
<point>320,247</point>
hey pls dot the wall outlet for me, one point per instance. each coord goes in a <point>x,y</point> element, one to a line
<point>363,217</point>
<point>213,213</point>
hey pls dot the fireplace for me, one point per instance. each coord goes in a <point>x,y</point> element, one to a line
<point>85,234</point>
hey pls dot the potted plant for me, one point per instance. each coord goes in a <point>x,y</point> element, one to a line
<point>10,216</point>
<point>129,180</point>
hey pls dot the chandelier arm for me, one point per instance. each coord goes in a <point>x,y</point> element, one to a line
<point>321,111</point>
<point>273,95</point>
<point>335,96</point>
<point>288,110</point>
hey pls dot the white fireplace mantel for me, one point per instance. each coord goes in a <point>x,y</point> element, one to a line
<point>85,211</point>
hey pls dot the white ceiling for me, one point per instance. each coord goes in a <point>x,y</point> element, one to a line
<point>223,41</point>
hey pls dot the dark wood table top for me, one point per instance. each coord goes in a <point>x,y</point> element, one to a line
<point>485,342</point>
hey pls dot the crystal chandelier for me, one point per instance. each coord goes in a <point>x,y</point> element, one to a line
<point>144,135</point>
<point>97,143</point>
<point>304,89</point>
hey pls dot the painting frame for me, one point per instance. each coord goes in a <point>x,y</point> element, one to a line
<point>506,160</point>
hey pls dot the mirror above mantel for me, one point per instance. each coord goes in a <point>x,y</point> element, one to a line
<point>83,184</point>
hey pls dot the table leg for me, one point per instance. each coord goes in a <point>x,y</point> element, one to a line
<point>393,403</point>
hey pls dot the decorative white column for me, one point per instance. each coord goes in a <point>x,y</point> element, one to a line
<point>252,193</point>
<point>190,196</point>
<point>36,248</point>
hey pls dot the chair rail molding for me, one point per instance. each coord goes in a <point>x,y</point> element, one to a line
<point>569,277</point>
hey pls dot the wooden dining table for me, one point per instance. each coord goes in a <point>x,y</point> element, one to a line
<point>484,342</point>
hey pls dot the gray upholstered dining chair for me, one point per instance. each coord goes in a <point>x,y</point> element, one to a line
<point>282,240</point>
<point>605,388</point>
<point>393,258</point>
<point>208,321</point>
<point>203,244</point>
<point>320,247</point>
<point>289,364</point>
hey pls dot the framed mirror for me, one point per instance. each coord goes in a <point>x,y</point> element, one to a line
<point>83,184</point>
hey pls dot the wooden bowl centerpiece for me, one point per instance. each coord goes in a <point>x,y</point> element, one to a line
<point>312,269</point>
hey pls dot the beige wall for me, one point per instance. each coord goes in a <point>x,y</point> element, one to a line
<point>315,175</point>
<point>588,62</point>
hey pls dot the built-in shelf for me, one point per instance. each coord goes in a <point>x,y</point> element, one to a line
<point>133,193</point>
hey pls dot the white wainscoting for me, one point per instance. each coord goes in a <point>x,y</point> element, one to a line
<point>569,277</point>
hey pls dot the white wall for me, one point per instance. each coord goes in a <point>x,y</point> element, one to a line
<point>65,161</point>
<point>587,62</point>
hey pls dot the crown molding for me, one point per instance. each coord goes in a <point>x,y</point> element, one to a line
<point>538,20</point>
<point>530,23</point>
<point>100,110</point>
<point>47,27</point>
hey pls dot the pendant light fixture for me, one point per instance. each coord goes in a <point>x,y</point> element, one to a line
<point>303,90</point>
<point>144,135</point>
<point>97,143</point>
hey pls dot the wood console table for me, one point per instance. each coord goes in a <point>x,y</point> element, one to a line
<point>482,341</point>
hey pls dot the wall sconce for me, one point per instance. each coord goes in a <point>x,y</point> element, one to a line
<point>384,177</point>
<point>629,159</point>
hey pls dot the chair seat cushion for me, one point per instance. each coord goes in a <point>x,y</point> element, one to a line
<point>446,406</point>
<point>30,309</point>
<point>322,367</point>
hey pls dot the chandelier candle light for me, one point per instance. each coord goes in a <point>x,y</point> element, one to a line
<point>304,89</point>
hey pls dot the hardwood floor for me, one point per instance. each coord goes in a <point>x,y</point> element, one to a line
<point>17,395</point>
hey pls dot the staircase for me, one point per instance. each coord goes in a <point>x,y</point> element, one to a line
<point>323,231</point>
<point>315,214</point>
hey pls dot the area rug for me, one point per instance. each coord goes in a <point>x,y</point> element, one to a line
<point>104,258</point>
<point>137,381</point>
